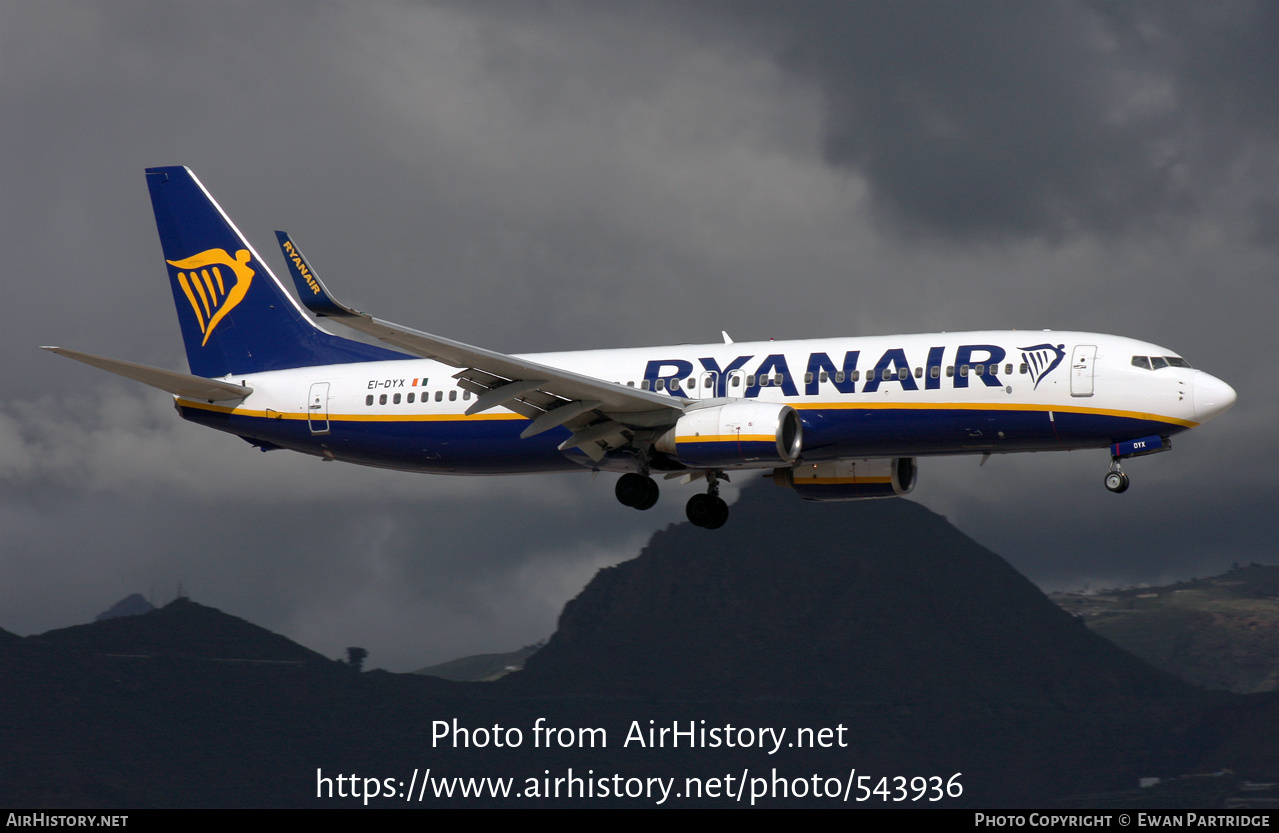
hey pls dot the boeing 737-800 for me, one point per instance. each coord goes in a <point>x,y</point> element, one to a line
<point>833,419</point>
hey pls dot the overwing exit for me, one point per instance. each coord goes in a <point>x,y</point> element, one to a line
<point>832,419</point>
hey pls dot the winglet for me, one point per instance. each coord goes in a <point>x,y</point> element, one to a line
<point>315,295</point>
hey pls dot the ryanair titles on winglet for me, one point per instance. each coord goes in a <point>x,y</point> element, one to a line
<point>303,270</point>
<point>969,360</point>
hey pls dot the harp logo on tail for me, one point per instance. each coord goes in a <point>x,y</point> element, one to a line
<point>1042,359</point>
<point>211,292</point>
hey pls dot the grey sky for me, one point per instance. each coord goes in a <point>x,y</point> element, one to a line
<point>569,175</point>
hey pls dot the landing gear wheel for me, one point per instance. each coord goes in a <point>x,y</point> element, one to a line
<point>1117,481</point>
<point>707,511</point>
<point>636,491</point>
<point>650,499</point>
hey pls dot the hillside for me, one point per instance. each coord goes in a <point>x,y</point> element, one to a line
<point>876,627</point>
<point>1220,632</point>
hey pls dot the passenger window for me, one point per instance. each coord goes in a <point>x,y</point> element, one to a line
<point>902,373</point>
<point>750,381</point>
<point>381,400</point>
<point>710,382</point>
<point>919,373</point>
<point>839,376</point>
<point>735,381</point>
<point>823,377</point>
<point>1025,368</point>
<point>660,384</point>
<point>368,400</point>
<point>1008,370</point>
<point>857,374</point>
<point>885,375</point>
<point>934,372</point>
<point>412,396</point>
<point>950,370</point>
<point>1141,361</point>
<point>963,370</point>
<point>452,396</point>
<point>466,394</point>
<point>630,384</point>
<point>439,396</point>
<point>690,383</point>
<point>395,400</point>
<point>644,385</point>
<point>1158,362</point>
<point>979,369</point>
<point>808,377</point>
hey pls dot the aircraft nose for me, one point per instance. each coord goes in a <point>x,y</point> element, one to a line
<point>1212,397</point>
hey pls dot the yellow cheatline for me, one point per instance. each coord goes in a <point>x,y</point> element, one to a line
<point>989,406</point>
<point>728,438</point>
<point>304,415</point>
<point>840,481</point>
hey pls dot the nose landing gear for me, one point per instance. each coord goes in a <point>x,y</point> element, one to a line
<point>709,510</point>
<point>1116,481</point>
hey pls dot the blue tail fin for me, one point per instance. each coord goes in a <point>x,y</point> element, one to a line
<point>235,315</point>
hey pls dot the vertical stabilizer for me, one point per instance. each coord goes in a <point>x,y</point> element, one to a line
<point>235,315</point>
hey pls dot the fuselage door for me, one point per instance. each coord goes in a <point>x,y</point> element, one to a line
<point>1081,369</point>
<point>736,384</point>
<point>317,408</point>
<point>707,385</point>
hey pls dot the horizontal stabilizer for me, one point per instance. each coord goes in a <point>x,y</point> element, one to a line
<point>178,384</point>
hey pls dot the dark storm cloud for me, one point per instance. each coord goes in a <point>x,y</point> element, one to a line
<point>562,175</point>
<point>973,120</point>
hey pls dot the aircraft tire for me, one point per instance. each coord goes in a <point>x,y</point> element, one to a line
<point>706,511</point>
<point>1117,482</point>
<point>631,489</point>
<point>651,495</point>
<point>721,513</point>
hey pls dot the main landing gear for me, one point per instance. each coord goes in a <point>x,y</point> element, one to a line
<point>639,491</point>
<point>709,510</point>
<point>1116,480</point>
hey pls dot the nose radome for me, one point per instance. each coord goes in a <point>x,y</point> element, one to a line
<point>1212,397</point>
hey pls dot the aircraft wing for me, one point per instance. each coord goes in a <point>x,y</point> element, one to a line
<point>602,415</point>
<point>178,384</point>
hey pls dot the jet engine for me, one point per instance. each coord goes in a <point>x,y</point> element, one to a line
<point>738,435</point>
<point>850,479</point>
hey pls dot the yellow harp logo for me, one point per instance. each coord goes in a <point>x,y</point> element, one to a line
<point>209,293</point>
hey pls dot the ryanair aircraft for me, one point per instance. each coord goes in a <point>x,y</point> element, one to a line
<point>834,419</point>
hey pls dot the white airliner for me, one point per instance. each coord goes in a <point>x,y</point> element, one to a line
<point>834,419</point>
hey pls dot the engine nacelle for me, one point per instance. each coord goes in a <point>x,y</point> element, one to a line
<point>738,435</point>
<point>850,479</point>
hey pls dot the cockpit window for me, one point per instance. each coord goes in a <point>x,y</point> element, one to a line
<point>1158,362</point>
